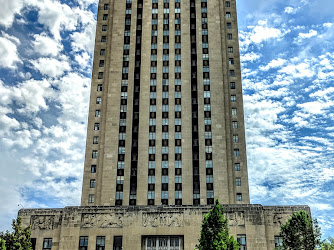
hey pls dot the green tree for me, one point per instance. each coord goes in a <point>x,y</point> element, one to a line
<point>215,231</point>
<point>300,232</point>
<point>19,239</point>
<point>327,244</point>
<point>2,245</point>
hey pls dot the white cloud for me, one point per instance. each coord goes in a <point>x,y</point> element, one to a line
<point>250,57</point>
<point>273,64</point>
<point>7,123</point>
<point>301,70</point>
<point>8,52</point>
<point>261,34</point>
<point>50,66</point>
<point>311,33</point>
<point>290,10</point>
<point>46,46</point>
<point>31,96</point>
<point>8,10</point>
<point>55,16</point>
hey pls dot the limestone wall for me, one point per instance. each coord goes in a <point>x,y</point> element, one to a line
<point>259,223</point>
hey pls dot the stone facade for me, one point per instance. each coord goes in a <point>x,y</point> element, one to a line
<point>207,162</point>
<point>260,224</point>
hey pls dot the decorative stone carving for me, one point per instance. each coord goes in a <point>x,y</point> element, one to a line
<point>236,219</point>
<point>278,219</point>
<point>43,222</point>
<point>101,220</point>
<point>163,219</point>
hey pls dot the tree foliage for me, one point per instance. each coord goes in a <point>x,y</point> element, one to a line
<point>215,231</point>
<point>19,239</point>
<point>327,244</point>
<point>300,232</point>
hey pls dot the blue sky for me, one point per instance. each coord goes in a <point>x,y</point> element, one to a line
<point>287,64</point>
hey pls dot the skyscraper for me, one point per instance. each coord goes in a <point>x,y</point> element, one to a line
<point>165,136</point>
<point>166,113</point>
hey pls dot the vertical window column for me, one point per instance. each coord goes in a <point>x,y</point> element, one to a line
<point>194,105</point>
<point>178,107</point>
<point>165,106</point>
<point>136,97</point>
<point>123,106</point>
<point>153,107</point>
<point>207,104</point>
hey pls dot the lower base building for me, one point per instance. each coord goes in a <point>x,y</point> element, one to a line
<point>150,227</point>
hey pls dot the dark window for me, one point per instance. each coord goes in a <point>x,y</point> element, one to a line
<point>117,243</point>
<point>93,168</point>
<point>100,242</point>
<point>106,7</point>
<point>102,52</point>
<point>104,27</point>
<point>83,243</point>
<point>105,17</point>
<point>47,243</point>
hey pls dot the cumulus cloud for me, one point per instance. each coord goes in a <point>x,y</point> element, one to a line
<point>46,46</point>
<point>8,51</point>
<point>276,63</point>
<point>8,10</point>
<point>308,35</point>
<point>50,66</point>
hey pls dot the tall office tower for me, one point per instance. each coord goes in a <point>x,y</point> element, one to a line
<point>166,114</point>
<point>165,135</point>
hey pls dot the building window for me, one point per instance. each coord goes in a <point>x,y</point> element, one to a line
<point>231,61</point>
<point>103,39</point>
<point>163,242</point>
<point>237,166</point>
<point>99,87</point>
<point>94,154</point>
<point>104,27</point>
<point>241,239</point>
<point>105,16</point>
<point>83,243</point>
<point>47,243</point>
<point>106,7</point>
<point>150,195</point>
<point>238,181</point>
<point>236,152</point>
<point>101,64</point>
<point>227,4</point>
<point>228,14</point>
<point>233,98</point>
<point>229,36</point>
<point>97,113</point>
<point>235,138</point>
<point>234,124</point>
<point>102,52</point>
<point>100,75</point>
<point>232,73</point>
<point>232,85</point>
<point>278,242</point>
<point>239,198</point>
<point>92,183</point>
<point>95,140</point>
<point>234,111</point>
<point>229,25</point>
<point>93,168</point>
<point>97,126</point>
<point>178,194</point>
<point>100,242</point>
<point>117,243</point>
<point>230,49</point>
<point>98,100</point>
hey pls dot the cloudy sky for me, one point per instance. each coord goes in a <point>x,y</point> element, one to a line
<point>288,77</point>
